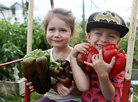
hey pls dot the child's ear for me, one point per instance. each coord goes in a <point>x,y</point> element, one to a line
<point>88,37</point>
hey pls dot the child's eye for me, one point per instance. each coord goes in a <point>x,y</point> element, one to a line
<point>98,34</point>
<point>111,36</point>
<point>51,29</point>
<point>63,30</point>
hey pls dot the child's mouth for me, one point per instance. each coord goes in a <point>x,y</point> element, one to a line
<point>99,46</point>
<point>57,40</point>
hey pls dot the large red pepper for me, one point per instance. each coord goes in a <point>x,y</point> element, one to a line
<point>36,69</point>
<point>61,71</point>
<point>86,57</point>
<point>108,52</point>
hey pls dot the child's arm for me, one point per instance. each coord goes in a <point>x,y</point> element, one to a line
<point>80,77</point>
<point>102,69</point>
<point>107,88</point>
<point>75,90</point>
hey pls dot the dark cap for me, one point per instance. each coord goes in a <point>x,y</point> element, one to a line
<point>107,20</point>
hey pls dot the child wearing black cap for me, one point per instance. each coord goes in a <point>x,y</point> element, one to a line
<point>102,28</point>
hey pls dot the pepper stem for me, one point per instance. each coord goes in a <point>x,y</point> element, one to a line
<point>119,50</point>
<point>57,64</point>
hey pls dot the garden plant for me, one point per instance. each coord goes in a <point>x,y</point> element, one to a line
<point>13,42</point>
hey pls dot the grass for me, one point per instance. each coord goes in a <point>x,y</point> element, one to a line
<point>35,96</point>
<point>135,99</point>
<point>15,98</point>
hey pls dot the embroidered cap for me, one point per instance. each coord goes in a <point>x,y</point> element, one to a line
<point>107,20</point>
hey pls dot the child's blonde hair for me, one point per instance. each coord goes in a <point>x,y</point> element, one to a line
<point>66,15</point>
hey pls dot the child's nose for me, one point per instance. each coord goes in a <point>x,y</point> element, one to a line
<point>104,39</point>
<point>57,34</point>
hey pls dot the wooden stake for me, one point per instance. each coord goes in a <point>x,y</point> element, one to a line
<point>29,42</point>
<point>52,4</point>
<point>30,26</point>
<point>131,40</point>
<point>130,52</point>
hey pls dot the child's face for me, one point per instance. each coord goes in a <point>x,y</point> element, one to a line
<point>58,33</point>
<point>98,37</point>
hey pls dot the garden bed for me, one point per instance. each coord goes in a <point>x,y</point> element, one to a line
<point>11,87</point>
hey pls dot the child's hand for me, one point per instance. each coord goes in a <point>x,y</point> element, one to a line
<point>100,66</point>
<point>83,48</point>
<point>64,91</point>
<point>29,84</point>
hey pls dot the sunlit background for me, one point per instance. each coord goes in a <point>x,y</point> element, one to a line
<point>121,7</point>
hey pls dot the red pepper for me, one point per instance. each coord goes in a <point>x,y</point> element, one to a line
<point>61,71</point>
<point>87,57</point>
<point>66,81</point>
<point>36,69</point>
<point>111,50</point>
<point>55,87</point>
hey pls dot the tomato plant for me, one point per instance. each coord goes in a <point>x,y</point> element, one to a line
<point>13,44</point>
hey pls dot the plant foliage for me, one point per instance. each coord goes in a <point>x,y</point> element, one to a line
<point>13,44</point>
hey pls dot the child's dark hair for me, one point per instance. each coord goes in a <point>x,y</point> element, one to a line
<point>65,15</point>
